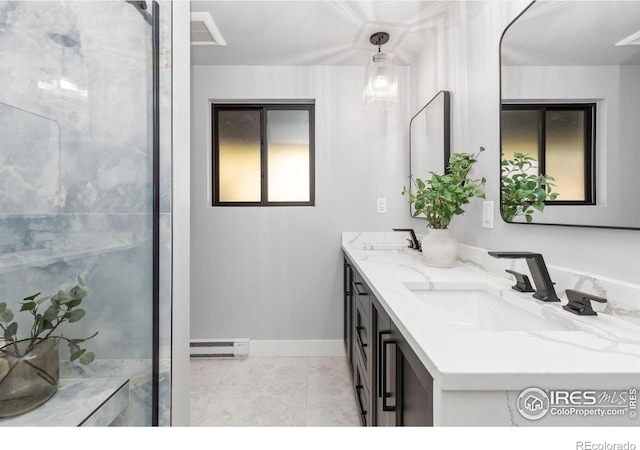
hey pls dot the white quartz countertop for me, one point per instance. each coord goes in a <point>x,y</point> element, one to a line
<point>575,352</point>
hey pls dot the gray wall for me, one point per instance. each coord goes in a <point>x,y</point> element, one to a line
<point>276,273</point>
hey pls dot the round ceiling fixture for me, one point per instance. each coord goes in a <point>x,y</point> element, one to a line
<point>379,38</point>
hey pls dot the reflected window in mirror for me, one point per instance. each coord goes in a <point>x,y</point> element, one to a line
<point>584,55</point>
<point>560,139</point>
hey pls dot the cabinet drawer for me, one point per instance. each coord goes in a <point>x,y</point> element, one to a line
<point>362,396</point>
<point>361,293</point>
<point>362,334</point>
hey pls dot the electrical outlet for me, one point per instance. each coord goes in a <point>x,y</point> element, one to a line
<point>382,205</point>
<point>487,214</point>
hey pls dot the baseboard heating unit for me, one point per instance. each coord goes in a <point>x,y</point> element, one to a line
<point>219,348</point>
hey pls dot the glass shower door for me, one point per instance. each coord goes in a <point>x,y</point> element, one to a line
<point>79,175</point>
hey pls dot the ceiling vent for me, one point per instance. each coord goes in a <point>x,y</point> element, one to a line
<point>204,30</point>
<point>634,39</point>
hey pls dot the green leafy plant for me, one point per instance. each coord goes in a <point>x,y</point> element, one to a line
<point>524,192</point>
<point>442,197</point>
<point>62,307</point>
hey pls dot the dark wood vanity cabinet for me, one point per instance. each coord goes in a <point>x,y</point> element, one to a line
<point>348,315</point>
<point>391,385</point>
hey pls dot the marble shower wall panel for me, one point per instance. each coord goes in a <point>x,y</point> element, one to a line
<point>117,272</point>
<point>90,76</point>
<point>106,159</point>
<point>29,162</point>
<point>98,156</point>
<point>88,33</point>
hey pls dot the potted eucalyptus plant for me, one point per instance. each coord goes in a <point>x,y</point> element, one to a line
<point>524,190</point>
<point>29,367</point>
<point>440,198</point>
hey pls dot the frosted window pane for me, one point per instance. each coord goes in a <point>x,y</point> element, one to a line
<point>288,155</point>
<point>565,153</point>
<point>520,134</point>
<point>239,156</point>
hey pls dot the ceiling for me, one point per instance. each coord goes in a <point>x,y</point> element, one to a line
<point>330,32</point>
<point>573,33</point>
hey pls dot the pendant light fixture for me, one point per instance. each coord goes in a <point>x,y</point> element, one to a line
<point>381,81</point>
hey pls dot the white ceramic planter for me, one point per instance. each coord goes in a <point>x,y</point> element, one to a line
<point>439,248</point>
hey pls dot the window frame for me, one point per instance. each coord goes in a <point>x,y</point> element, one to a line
<point>589,110</point>
<point>264,181</point>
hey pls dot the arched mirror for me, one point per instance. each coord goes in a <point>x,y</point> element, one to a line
<point>429,144</point>
<point>570,109</point>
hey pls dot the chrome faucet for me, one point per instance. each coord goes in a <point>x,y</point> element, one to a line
<point>413,242</point>
<point>544,286</point>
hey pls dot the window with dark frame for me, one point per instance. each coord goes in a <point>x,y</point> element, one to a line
<point>562,139</point>
<point>263,154</point>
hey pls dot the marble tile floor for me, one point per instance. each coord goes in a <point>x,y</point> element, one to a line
<point>272,392</point>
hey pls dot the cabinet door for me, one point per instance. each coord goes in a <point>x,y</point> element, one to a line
<point>414,387</point>
<point>384,374</point>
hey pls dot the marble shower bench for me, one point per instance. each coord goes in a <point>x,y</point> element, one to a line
<point>79,402</point>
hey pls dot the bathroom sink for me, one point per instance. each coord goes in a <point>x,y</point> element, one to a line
<point>477,309</point>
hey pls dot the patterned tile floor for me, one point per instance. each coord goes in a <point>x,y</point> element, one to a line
<point>313,392</point>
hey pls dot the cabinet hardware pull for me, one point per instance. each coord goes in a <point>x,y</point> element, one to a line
<point>361,344</point>
<point>380,360</point>
<point>357,285</point>
<point>346,279</point>
<point>363,412</point>
<point>385,394</point>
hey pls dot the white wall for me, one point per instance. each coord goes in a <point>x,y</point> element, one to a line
<point>180,203</point>
<point>469,52</point>
<point>275,273</point>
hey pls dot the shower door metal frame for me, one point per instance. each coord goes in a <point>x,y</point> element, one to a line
<point>153,19</point>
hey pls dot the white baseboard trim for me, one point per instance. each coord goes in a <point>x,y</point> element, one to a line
<point>310,348</point>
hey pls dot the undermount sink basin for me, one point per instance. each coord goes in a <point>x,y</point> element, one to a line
<point>480,310</point>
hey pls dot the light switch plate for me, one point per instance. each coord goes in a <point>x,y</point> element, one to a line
<point>487,214</point>
<point>382,205</point>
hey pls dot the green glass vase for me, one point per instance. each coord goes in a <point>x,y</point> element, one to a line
<point>29,375</point>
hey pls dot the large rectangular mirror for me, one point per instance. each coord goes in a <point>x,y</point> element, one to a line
<point>570,109</point>
<point>429,139</point>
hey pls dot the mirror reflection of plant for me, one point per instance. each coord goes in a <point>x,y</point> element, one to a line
<point>63,307</point>
<point>442,197</point>
<point>524,192</point>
